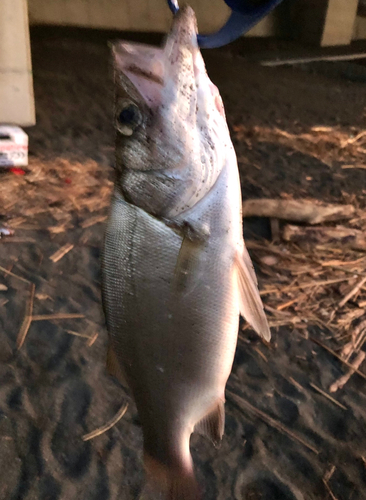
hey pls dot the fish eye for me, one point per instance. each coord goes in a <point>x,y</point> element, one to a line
<point>128,117</point>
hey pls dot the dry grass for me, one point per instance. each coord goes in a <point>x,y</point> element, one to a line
<point>305,286</point>
<point>329,145</point>
<point>58,188</point>
<point>319,280</point>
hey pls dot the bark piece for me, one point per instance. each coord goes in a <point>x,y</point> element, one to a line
<point>309,211</point>
<point>340,235</point>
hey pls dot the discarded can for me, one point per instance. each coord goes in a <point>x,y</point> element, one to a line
<point>13,146</point>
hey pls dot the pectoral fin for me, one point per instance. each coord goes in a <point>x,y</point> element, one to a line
<point>193,243</point>
<point>249,264</point>
<point>186,263</point>
<point>250,302</point>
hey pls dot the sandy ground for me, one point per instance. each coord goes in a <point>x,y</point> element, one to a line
<point>55,389</point>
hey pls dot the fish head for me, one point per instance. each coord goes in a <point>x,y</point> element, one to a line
<point>169,116</point>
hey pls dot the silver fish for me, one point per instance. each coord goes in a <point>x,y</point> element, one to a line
<point>176,273</point>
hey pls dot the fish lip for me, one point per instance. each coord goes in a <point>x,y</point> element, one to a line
<point>184,30</point>
<point>186,17</point>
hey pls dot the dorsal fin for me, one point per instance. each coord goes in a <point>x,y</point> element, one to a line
<point>250,302</point>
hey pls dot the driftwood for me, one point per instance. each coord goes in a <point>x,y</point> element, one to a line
<point>309,211</point>
<point>340,235</point>
<point>304,60</point>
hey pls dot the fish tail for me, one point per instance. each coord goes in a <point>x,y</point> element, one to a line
<point>175,484</point>
<point>184,488</point>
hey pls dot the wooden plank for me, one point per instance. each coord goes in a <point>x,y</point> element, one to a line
<point>139,16</point>
<point>108,14</point>
<point>76,12</point>
<point>149,15</point>
<point>135,15</point>
<point>47,11</point>
<point>160,16</point>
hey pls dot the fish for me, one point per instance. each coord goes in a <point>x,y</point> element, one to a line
<point>176,275</point>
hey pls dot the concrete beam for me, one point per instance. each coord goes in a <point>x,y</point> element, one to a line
<point>324,22</point>
<point>16,83</point>
<point>339,22</point>
<point>360,28</point>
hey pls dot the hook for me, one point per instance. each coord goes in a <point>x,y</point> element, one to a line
<point>243,17</point>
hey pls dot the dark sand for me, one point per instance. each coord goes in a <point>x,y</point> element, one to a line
<point>56,388</point>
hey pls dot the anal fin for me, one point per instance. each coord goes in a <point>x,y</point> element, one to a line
<point>250,302</point>
<point>113,367</point>
<point>212,425</point>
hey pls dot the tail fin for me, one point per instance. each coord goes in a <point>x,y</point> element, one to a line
<point>183,488</point>
<point>173,484</point>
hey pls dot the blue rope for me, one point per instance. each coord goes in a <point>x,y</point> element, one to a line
<point>243,17</point>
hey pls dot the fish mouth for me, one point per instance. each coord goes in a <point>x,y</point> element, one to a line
<point>183,34</point>
<point>150,69</point>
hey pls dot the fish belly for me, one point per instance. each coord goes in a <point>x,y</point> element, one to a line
<point>176,346</point>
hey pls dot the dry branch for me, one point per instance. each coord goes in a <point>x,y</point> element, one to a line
<point>357,340</point>
<point>309,211</point>
<point>354,239</point>
<point>61,252</point>
<point>304,60</point>
<point>107,426</point>
<point>355,370</point>
<point>5,271</point>
<point>352,292</point>
<point>93,220</point>
<point>341,382</point>
<point>47,317</point>
<point>271,421</point>
<point>326,395</point>
<point>27,318</point>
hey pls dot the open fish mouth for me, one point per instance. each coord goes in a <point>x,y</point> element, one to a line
<point>178,65</point>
